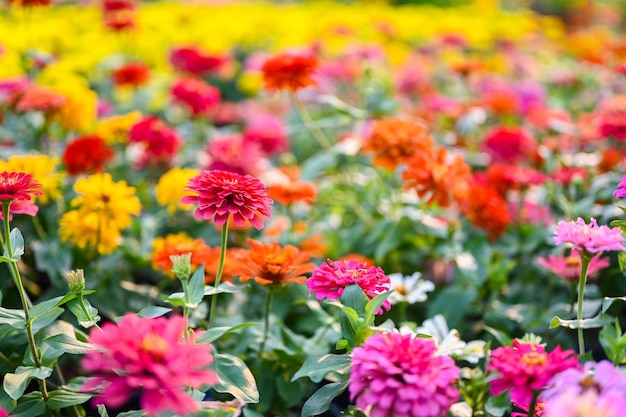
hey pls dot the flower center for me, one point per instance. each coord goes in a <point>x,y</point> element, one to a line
<point>588,382</point>
<point>572,261</point>
<point>534,358</point>
<point>155,346</point>
<point>401,289</point>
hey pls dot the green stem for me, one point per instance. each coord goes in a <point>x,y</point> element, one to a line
<point>266,327</point>
<point>533,404</point>
<point>220,269</point>
<point>39,228</point>
<point>309,123</point>
<point>585,260</point>
<point>6,205</point>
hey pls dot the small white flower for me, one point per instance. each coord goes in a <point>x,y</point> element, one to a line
<point>449,342</point>
<point>411,289</point>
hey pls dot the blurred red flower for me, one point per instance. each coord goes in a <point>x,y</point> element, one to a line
<point>197,95</point>
<point>289,71</point>
<point>86,154</point>
<point>133,74</point>
<point>160,141</point>
<point>195,61</point>
<point>509,144</point>
<point>486,209</point>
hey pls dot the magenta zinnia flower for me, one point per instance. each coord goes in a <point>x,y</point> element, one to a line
<point>149,356</point>
<point>620,192</point>
<point>601,377</point>
<point>402,376</point>
<point>18,186</point>
<point>589,238</point>
<point>222,193</point>
<point>526,367</point>
<point>588,404</point>
<point>568,267</point>
<point>330,279</point>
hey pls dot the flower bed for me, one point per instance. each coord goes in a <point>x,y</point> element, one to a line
<point>358,210</point>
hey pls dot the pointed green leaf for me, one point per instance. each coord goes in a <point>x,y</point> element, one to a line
<point>320,401</point>
<point>153,311</point>
<point>69,344</point>
<point>17,244</point>
<point>102,410</point>
<point>212,334</point>
<point>374,304</point>
<point>13,317</point>
<point>195,288</point>
<point>44,307</point>
<point>317,367</point>
<point>61,398</point>
<point>354,297</point>
<point>235,378</point>
<point>590,323</point>
<point>85,319</point>
<point>224,287</point>
<point>30,405</point>
<point>15,383</point>
<point>607,302</point>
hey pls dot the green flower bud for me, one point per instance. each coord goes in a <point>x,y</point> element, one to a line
<point>76,280</point>
<point>181,266</point>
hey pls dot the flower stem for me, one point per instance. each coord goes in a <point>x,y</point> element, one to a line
<point>533,404</point>
<point>268,308</point>
<point>309,123</point>
<point>585,259</point>
<point>6,205</point>
<point>220,269</point>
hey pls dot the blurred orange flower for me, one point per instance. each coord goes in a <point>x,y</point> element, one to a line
<point>289,71</point>
<point>395,141</point>
<point>314,245</point>
<point>271,264</point>
<point>486,209</point>
<point>133,74</point>
<point>38,98</point>
<point>290,192</point>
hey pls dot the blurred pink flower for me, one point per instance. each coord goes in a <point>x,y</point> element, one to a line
<point>612,121</point>
<point>397,374</point>
<point>526,367</point>
<point>589,238</point>
<point>509,144</point>
<point>21,207</point>
<point>587,404</point>
<point>568,267</point>
<point>193,60</point>
<point>602,377</point>
<point>330,279</point>
<point>150,357</point>
<point>234,154</point>
<point>160,141</point>
<point>268,131</point>
<point>197,95</point>
<point>220,194</point>
<point>530,213</point>
<point>565,175</point>
<point>620,192</point>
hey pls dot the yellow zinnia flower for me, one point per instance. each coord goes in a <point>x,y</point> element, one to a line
<point>79,111</point>
<point>87,230</point>
<point>171,188</point>
<point>42,167</point>
<point>115,129</point>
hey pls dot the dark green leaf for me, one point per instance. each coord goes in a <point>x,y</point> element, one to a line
<point>102,410</point>
<point>30,405</point>
<point>153,311</point>
<point>83,318</point>
<point>12,317</point>
<point>354,297</point>
<point>607,302</point>
<point>195,288</point>
<point>69,344</point>
<point>61,398</point>
<point>235,378</point>
<point>453,302</point>
<point>15,383</point>
<point>224,287</point>
<point>320,401</point>
<point>47,318</point>
<point>211,335</point>
<point>373,305</point>
<point>44,307</point>
<point>316,367</point>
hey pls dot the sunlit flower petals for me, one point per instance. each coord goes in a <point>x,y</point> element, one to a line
<point>590,238</point>
<point>289,71</point>
<point>568,267</point>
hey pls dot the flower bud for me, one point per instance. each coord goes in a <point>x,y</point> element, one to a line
<point>181,266</point>
<point>76,280</point>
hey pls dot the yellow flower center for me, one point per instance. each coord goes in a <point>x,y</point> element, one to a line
<point>154,345</point>
<point>534,358</point>
<point>401,289</point>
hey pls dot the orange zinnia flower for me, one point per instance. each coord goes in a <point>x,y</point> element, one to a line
<point>133,74</point>
<point>437,177</point>
<point>38,98</point>
<point>293,191</point>
<point>486,209</point>
<point>271,264</point>
<point>289,71</point>
<point>395,141</point>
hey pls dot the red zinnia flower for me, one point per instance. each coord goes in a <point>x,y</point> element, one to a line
<point>289,71</point>
<point>134,74</point>
<point>119,14</point>
<point>486,209</point>
<point>509,144</point>
<point>161,142</point>
<point>193,60</point>
<point>196,94</point>
<point>222,193</point>
<point>86,155</point>
<point>18,186</point>
<point>613,118</point>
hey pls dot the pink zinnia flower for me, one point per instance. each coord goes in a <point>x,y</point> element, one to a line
<point>602,377</point>
<point>160,141</point>
<point>398,375</point>
<point>568,267</point>
<point>509,144</point>
<point>193,60</point>
<point>620,192</point>
<point>566,175</point>
<point>234,154</point>
<point>196,94</point>
<point>149,356</point>
<point>221,194</point>
<point>589,238</point>
<point>588,404</point>
<point>268,131</point>
<point>330,279</point>
<point>526,367</point>
<point>21,207</point>
<point>18,186</point>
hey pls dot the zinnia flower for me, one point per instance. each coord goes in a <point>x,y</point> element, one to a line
<point>267,131</point>
<point>150,356</point>
<point>18,186</point>
<point>234,154</point>
<point>133,74</point>
<point>85,230</point>
<point>411,289</point>
<point>399,375</point>
<point>587,404</point>
<point>193,60</point>
<point>21,207</point>
<point>222,193</point>
<point>271,264</point>
<point>171,188</point>
<point>115,129</point>
<point>568,267</point>
<point>119,14</point>
<point>486,209</point>
<point>589,238</point>
<point>197,95</point>
<point>613,118</point>
<point>38,98</point>
<point>395,141</point>
<point>289,71</point>
<point>86,154</point>
<point>601,377</point>
<point>331,278</point>
<point>525,368</point>
<point>42,167</point>
<point>79,111</point>
<point>290,192</point>
<point>509,144</point>
<point>160,142</point>
<point>620,192</point>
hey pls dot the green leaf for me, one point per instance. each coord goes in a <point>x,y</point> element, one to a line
<point>134,413</point>
<point>153,311</point>
<point>224,287</point>
<point>53,258</point>
<point>17,244</point>
<point>453,302</point>
<point>249,413</point>
<point>317,367</point>
<point>61,398</point>
<point>13,317</point>
<point>102,410</point>
<point>320,401</point>
<point>84,320</point>
<point>15,383</point>
<point>176,299</point>
<point>354,297</point>
<point>47,318</point>
<point>235,378</point>
<point>69,344</point>
<point>212,334</point>
<point>30,405</point>
<point>195,288</point>
<point>373,305</point>
<point>45,307</point>
<point>598,321</point>
<point>607,302</point>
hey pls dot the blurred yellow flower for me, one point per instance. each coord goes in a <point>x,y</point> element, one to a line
<point>43,168</point>
<point>171,188</point>
<point>79,111</point>
<point>87,230</point>
<point>115,129</point>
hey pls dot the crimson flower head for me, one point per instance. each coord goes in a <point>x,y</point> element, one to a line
<point>150,356</point>
<point>86,154</point>
<point>509,144</point>
<point>160,141</point>
<point>289,71</point>
<point>331,278</point>
<point>195,61</point>
<point>526,367</point>
<point>18,186</point>
<point>398,375</point>
<point>589,238</point>
<point>220,194</point>
<point>133,74</point>
<point>197,95</point>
